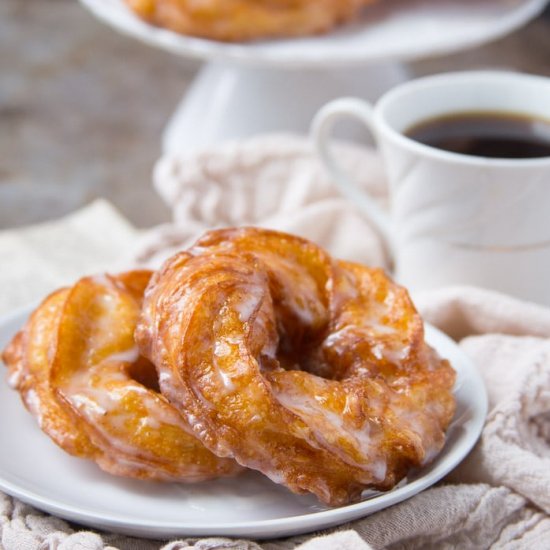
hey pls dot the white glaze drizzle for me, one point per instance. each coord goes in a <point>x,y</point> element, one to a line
<point>129,356</point>
<point>311,411</point>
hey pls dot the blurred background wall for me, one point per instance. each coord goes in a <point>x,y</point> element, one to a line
<point>82,108</point>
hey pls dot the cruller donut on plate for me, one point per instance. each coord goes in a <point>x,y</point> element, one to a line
<point>241,20</point>
<point>311,370</point>
<point>78,370</point>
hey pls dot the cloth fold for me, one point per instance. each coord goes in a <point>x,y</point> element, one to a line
<point>499,497</point>
<point>39,259</point>
<point>270,181</point>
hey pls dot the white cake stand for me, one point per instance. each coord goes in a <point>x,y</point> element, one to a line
<point>278,85</point>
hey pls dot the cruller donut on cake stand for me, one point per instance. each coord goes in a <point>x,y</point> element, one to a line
<point>279,84</point>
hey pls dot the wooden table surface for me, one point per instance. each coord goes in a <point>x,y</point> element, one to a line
<point>82,108</point>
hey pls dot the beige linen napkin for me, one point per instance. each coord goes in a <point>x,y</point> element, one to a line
<point>270,181</point>
<point>499,497</point>
<point>36,260</point>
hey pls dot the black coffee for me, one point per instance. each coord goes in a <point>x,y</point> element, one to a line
<point>486,134</point>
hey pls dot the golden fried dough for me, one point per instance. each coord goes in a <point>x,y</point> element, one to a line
<point>311,370</point>
<point>79,373</point>
<point>241,20</point>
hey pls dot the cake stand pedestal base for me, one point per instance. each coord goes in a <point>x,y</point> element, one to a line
<point>231,101</point>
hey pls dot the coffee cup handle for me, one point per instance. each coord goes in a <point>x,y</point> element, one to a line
<point>321,130</point>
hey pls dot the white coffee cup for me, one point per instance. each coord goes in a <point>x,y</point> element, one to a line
<point>454,219</point>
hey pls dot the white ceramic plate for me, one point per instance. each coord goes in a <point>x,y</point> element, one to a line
<point>389,29</point>
<point>34,470</point>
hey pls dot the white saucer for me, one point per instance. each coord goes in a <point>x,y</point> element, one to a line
<point>34,470</point>
<point>387,30</point>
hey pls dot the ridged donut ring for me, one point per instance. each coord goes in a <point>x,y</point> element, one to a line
<point>240,20</point>
<point>311,370</point>
<point>78,370</point>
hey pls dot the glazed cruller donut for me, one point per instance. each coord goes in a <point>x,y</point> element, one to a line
<point>77,368</point>
<point>241,20</point>
<point>311,370</point>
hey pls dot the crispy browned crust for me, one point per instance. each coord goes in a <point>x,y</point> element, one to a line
<point>311,370</point>
<point>76,366</point>
<point>243,20</point>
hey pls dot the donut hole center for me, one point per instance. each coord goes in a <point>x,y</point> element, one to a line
<point>300,349</point>
<point>145,373</point>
